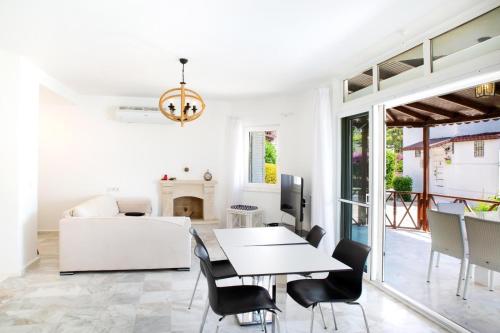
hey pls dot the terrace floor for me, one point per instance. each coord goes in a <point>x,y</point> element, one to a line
<point>405,269</point>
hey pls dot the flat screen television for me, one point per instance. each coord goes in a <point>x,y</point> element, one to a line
<point>292,198</point>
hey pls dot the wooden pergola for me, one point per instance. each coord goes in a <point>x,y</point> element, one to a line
<point>461,107</point>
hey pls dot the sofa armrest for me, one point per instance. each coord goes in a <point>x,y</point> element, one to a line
<point>142,205</point>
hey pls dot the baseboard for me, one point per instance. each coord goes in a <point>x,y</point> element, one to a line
<point>48,230</point>
<point>31,262</point>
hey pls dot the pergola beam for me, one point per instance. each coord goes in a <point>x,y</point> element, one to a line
<point>433,109</point>
<point>411,113</point>
<point>431,122</point>
<point>459,100</point>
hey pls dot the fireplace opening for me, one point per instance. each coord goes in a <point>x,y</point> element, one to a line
<point>189,206</point>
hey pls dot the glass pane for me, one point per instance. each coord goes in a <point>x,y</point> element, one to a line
<point>356,222</point>
<point>479,36</point>
<point>406,62</point>
<point>263,157</point>
<point>356,168</point>
<point>359,85</point>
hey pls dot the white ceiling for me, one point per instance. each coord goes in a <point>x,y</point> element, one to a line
<point>236,48</point>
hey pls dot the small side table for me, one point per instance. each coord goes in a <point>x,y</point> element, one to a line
<point>246,218</point>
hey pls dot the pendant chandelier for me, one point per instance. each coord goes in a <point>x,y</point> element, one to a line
<point>485,90</point>
<point>181,104</point>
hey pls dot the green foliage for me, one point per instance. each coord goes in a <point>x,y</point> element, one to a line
<point>484,207</point>
<point>403,184</point>
<point>390,159</point>
<point>394,139</point>
<point>270,153</point>
<point>270,173</point>
<point>399,165</point>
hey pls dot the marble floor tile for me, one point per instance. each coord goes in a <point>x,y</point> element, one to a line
<point>156,301</point>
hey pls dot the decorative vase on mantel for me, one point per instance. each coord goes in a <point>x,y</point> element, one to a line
<point>207,176</point>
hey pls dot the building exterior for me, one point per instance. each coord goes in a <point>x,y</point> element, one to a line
<point>464,161</point>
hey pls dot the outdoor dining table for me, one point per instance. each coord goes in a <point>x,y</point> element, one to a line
<point>273,251</point>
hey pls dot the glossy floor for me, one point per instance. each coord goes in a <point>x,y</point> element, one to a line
<point>43,301</point>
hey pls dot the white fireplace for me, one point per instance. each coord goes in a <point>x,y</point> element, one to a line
<point>193,198</point>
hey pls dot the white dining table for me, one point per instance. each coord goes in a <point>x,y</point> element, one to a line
<point>257,237</point>
<point>272,251</point>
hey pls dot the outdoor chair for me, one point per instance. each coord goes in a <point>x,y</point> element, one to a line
<point>447,238</point>
<point>484,247</point>
<point>452,208</point>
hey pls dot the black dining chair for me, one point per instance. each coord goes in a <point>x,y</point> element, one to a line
<point>338,286</point>
<point>315,235</point>
<point>233,300</point>
<point>222,269</point>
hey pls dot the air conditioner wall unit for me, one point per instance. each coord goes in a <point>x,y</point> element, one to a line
<point>141,114</point>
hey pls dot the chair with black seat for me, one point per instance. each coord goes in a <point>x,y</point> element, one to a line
<point>315,235</point>
<point>233,300</point>
<point>222,269</point>
<point>338,286</point>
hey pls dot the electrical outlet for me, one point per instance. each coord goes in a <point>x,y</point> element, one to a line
<point>113,189</point>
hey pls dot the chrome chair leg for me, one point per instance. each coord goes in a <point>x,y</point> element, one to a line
<point>204,318</point>
<point>460,276</point>
<point>334,319</point>
<point>194,290</point>
<point>219,324</point>
<point>312,319</point>
<point>429,270</point>
<point>322,317</point>
<point>263,320</point>
<point>277,320</point>
<point>364,314</point>
<point>467,278</point>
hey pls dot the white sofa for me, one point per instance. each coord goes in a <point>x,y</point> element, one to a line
<point>97,236</point>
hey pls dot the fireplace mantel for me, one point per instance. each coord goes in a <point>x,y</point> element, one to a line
<point>173,189</point>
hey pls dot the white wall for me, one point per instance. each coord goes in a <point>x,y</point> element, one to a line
<point>84,151</point>
<point>293,115</point>
<point>18,167</point>
<point>481,181</point>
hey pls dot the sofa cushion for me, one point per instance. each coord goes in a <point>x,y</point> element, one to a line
<point>101,206</point>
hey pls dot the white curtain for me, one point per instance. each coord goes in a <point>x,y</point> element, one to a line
<point>322,209</point>
<point>234,162</point>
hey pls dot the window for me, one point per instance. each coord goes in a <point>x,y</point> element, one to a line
<point>468,41</point>
<point>358,85</point>
<point>418,153</point>
<point>409,62</point>
<point>479,148</point>
<point>262,163</point>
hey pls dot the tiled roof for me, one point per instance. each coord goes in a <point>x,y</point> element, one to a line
<point>462,138</point>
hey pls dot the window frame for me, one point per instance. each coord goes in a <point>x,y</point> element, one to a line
<point>478,148</point>
<point>263,187</point>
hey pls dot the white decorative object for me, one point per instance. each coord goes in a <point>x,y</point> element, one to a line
<point>245,218</point>
<point>173,189</point>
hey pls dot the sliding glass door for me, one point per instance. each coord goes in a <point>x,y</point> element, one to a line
<point>355,194</point>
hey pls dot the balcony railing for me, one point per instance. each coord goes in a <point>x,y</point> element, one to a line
<point>405,210</point>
